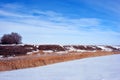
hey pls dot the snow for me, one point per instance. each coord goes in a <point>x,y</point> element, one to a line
<point>99,68</point>
<point>1,56</point>
<point>48,51</point>
<point>12,44</point>
<point>71,48</point>
<point>10,57</point>
<point>78,50</point>
<point>36,46</point>
<point>104,48</point>
<point>62,52</point>
<point>33,52</point>
<point>117,47</point>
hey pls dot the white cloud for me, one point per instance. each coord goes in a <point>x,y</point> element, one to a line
<point>32,34</point>
<point>110,6</point>
<point>9,14</point>
<point>52,27</point>
<point>86,22</point>
<point>47,13</point>
<point>11,6</point>
<point>50,21</point>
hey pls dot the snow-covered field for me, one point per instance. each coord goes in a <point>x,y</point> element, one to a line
<point>98,68</point>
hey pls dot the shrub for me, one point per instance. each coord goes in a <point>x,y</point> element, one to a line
<point>16,50</point>
<point>13,38</point>
<point>51,47</point>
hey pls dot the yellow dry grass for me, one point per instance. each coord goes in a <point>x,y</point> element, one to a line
<point>36,59</point>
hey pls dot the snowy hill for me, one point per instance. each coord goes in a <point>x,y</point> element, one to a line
<point>23,49</point>
<point>86,48</point>
<point>98,68</point>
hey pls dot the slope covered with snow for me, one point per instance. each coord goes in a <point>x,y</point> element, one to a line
<point>99,68</point>
<point>24,49</point>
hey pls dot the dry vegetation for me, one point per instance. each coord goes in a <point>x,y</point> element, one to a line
<point>36,59</point>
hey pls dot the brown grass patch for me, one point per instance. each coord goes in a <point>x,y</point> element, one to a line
<point>40,60</point>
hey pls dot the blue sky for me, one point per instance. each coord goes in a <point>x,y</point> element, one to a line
<point>62,21</point>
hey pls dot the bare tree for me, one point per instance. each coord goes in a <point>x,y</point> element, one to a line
<point>13,38</point>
